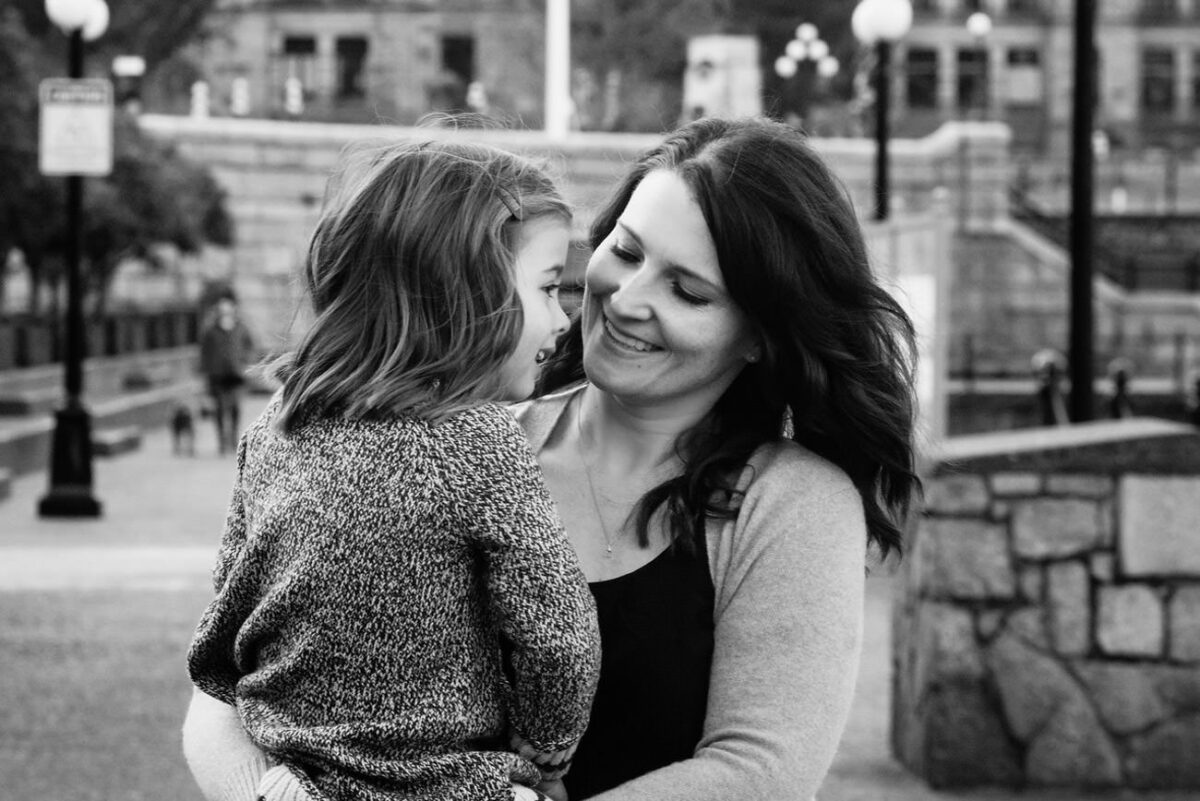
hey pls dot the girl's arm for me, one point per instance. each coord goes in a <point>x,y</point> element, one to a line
<point>538,594</point>
<point>790,577</point>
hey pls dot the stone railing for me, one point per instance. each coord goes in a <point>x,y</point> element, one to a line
<point>1047,626</point>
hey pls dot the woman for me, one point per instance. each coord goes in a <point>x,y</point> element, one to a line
<point>745,434</point>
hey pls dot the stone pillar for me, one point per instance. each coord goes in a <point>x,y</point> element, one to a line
<point>1047,630</point>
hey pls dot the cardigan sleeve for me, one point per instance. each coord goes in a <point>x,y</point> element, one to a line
<point>789,573</point>
<point>536,588</point>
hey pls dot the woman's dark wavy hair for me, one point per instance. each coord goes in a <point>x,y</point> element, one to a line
<point>838,353</point>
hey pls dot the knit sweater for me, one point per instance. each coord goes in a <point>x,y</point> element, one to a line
<point>788,574</point>
<point>367,575</point>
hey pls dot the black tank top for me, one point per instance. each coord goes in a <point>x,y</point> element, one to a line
<point>656,632</point>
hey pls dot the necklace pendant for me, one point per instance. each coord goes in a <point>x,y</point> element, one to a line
<point>608,548</point>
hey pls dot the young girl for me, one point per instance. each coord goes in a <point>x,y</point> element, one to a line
<point>389,533</point>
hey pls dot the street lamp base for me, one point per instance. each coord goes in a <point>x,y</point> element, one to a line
<point>70,492</point>
<point>69,502</point>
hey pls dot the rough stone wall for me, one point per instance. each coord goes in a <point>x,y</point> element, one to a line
<point>1048,627</point>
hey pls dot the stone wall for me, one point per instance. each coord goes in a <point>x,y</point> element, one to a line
<point>1047,630</point>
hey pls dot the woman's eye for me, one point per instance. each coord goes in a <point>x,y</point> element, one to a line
<point>688,297</point>
<point>624,254</point>
<point>552,289</point>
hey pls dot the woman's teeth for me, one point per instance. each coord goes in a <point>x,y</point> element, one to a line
<point>629,342</point>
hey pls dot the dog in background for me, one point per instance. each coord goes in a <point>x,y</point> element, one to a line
<point>183,431</point>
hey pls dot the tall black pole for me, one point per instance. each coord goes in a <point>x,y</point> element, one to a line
<point>883,59</point>
<point>70,493</point>
<point>1081,364</point>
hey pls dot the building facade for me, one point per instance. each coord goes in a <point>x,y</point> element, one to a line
<point>367,60</point>
<point>1022,70</point>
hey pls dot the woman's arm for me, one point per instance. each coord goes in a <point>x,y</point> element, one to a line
<point>224,762</point>
<point>789,574</point>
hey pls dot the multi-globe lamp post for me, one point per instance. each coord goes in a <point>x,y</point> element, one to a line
<point>70,493</point>
<point>880,24</point>
<point>807,48</point>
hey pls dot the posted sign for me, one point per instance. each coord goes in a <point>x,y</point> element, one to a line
<point>76,126</point>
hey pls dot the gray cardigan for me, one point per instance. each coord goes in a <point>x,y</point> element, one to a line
<point>367,573</point>
<point>789,576</point>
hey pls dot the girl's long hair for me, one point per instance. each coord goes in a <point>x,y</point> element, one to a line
<point>410,275</point>
<point>836,372</point>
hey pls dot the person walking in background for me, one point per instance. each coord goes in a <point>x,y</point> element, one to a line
<point>226,351</point>
<point>727,431</point>
<point>398,612</point>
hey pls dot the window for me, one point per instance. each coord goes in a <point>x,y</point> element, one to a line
<point>458,57</point>
<point>299,60</point>
<point>1024,57</point>
<point>299,46</point>
<point>921,77</point>
<point>972,79</point>
<point>351,55</point>
<point>1023,78</point>
<point>1159,10</point>
<point>1158,80</point>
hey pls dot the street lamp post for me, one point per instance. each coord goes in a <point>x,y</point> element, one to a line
<point>979,25</point>
<point>70,493</point>
<point>1081,357</point>
<point>557,120</point>
<point>881,23</point>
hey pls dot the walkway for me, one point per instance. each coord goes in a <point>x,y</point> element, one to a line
<point>97,615</point>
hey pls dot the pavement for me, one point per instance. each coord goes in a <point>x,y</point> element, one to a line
<point>95,617</point>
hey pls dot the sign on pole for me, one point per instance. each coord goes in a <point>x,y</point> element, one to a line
<point>76,126</point>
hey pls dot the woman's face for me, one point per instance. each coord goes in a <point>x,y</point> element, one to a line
<point>541,254</point>
<point>658,324</point>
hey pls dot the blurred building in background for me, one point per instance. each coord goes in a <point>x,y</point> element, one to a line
<point>394,60</point>
<point>1020,70</point>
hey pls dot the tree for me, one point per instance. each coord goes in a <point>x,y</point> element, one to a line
<point>153,196</point>
<point>630,49</point>
<point>149,28</point>
<point>31,205</point>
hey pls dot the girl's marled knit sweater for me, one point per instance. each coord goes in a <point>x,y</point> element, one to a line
<point>366,577</point>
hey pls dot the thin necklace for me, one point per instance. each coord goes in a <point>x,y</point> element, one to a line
<point>587,472</point>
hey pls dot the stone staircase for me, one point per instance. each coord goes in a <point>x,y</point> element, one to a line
<point>124,394</point>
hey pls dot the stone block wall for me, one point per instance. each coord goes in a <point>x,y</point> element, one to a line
<point>1047,627</point>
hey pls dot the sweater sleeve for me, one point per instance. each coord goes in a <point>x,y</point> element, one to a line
<point>790,574</point>
<point>211,661</point>
<point>539,596</point>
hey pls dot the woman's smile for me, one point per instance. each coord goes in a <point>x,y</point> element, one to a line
<point>626,342</point>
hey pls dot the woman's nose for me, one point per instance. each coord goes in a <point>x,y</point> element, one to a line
<point>631,295</point>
